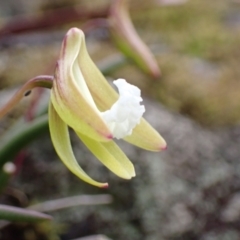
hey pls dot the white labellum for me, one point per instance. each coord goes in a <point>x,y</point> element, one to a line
<point>126,112</point>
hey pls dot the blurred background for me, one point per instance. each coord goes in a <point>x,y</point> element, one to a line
<point>191,190</point>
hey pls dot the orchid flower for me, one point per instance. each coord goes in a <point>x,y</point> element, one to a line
<point>81,98</point>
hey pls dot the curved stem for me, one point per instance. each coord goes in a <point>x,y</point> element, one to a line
<point>39,81</point>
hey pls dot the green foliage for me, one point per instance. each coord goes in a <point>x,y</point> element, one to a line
<point>23,215</point>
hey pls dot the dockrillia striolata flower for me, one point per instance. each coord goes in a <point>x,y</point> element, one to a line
<point>82,99</point>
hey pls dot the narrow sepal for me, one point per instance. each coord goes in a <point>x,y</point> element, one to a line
<point>111,156</point>
<point>70,94</point>
<point>61,141</point>
<point>146,137</point>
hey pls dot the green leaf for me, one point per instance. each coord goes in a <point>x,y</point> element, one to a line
<point>21,215</point>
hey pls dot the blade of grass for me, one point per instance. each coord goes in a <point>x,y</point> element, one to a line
<point>74,201</point>
<point>21,215</point>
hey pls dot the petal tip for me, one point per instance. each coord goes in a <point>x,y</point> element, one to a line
<point>74,30</point>
<point>163,147</point>
<point>130,177</point>
<point>133,173</point>
<point>109,136</point>
<point>105,185</point>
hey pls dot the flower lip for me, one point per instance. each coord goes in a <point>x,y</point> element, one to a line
<point>126,112</point>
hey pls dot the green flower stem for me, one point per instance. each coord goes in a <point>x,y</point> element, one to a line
<point>19,137</point>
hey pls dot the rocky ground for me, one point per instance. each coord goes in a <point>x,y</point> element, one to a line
<point>190,191</point>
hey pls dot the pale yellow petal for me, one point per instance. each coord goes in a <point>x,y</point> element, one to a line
<point>144,135</point>
<point>61,141</point>
<point>70,95</point>
<point>111,156</point>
